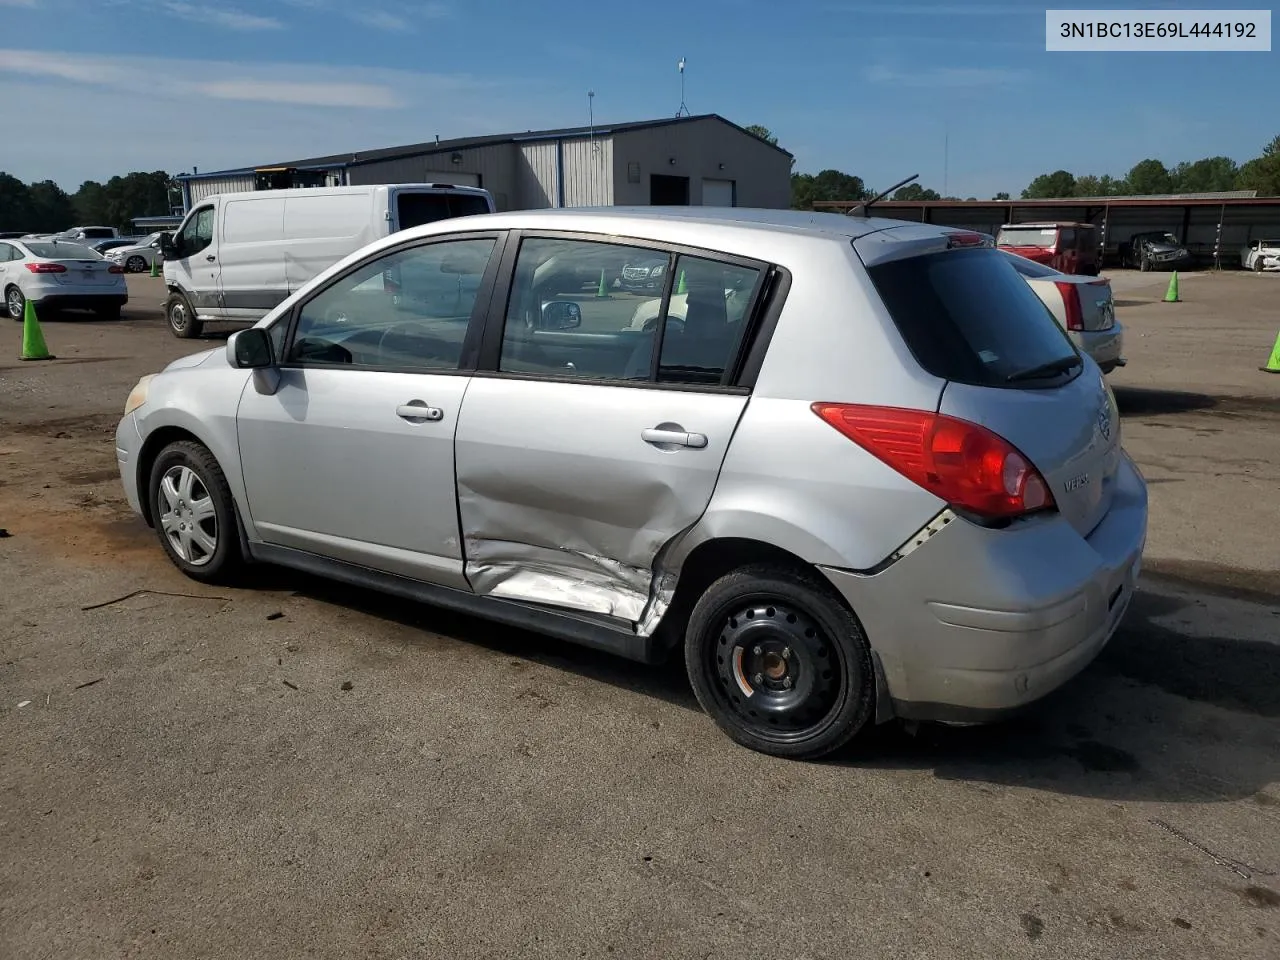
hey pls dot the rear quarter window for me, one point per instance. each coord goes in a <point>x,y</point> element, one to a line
<point>968,316</point>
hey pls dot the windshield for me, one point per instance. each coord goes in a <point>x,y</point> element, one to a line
<point>1161,238</point>
<point>1027,237</point>
<point>968,316</point>
<point>62,251</point>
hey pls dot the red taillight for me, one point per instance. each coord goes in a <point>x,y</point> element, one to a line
<point>1071,299</point>
<point>115,269</point>
<point>960,462</point>
<point>46,268</point>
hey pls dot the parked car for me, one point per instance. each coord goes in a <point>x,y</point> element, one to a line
<point>646,274</point>
<point>88,233</point>
<point>888,487</point>
<point>56,274</point>
<point>1083,307</point>
<point>238,255</point>
<point>105,246</point>
<point>1066,247</point>
<point>1155,250</point>
<point>137,254</point>
<point>1260,255</point>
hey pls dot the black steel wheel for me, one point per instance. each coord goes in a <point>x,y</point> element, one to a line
<point>779,663</point>
<point>182,319</point>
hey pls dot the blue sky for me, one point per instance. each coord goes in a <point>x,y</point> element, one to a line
<point>99,87</point>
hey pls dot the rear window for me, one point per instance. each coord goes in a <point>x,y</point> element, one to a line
<point>1027,237</point>
<point>62,251</point>
<point>97,233</point>
<point>968,316</point>
<point>415,209</point>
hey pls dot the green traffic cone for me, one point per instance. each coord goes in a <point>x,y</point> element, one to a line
<point>155,267</point>
<point>33,345</point>
<point>681,287</point>
<point>1171,295</point>
<point>1273,365</point>
<point>601,292</point>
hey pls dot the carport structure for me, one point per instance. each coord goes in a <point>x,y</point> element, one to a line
<point>1212,226</point>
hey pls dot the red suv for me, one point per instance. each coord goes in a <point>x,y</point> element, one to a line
<point>1066,247</point>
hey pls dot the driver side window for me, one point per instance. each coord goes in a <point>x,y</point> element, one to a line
<point>405,310</point>
<point>198,233</point>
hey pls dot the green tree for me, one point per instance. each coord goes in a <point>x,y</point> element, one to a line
<point>90,203</point>
<point>52,209</point>
<point>1001,196</point>
<point>16,212</point>
<point>1049,186</point>
<point>764,133</point>
<point>807,188</point>
<point>1149,176</point>
<point>913,191</point>
<point>1262,173</point>
<point>1210,175</point>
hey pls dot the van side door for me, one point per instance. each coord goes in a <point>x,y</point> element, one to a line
<point>195,269</point>
<point>251,257</point>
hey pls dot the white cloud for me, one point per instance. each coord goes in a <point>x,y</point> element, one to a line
<point>219,114</point>
<point>366,95</point>
<point>391,16</point>
<point>18,3</point>
<point>380,19</point>
<point>220,16</point>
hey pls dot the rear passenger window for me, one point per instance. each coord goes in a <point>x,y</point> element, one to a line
<point>585,309</point>
<point>582,309</point>
<point>408,310</point>
<point>705,320</point>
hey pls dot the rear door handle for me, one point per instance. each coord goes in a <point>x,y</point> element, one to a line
<point>678,438</point>
<point>416,411</point>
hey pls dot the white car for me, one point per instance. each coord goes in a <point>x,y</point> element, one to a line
<point>1082,305</point>
<point>57,274</point>
<point>136,257</point>
<point>1260,255</point>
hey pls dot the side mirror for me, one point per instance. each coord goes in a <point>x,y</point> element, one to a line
<point>250,349</point>
<point>561,315</point>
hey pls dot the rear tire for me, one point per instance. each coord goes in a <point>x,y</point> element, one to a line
<point>194,514</point>
<point>182,319</point>
<point>779,663</point>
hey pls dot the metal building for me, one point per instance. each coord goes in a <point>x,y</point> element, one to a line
<point>699,160</point>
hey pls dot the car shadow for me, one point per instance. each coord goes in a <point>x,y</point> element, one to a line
<point>1128,728</point>
<point>1145,401</point>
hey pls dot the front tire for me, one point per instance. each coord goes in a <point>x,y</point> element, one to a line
<point>779,663</point>
<point>182,319</point>
<point>194,514</point>
<point>136,264</point>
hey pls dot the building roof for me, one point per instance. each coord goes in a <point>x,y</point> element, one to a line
<point>1232,199</point>
<point>463,143</point>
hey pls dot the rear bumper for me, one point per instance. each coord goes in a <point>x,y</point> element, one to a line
<point>1105,347</point>
<point>978,623</point>
<point>81,301</point>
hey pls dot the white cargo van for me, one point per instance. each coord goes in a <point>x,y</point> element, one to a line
<point>237,255</point>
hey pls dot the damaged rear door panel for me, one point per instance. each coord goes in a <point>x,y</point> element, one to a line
<point>583,448</point>
<point>564,501</point>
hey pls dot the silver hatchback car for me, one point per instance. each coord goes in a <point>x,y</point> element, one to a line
<point>862,475</point>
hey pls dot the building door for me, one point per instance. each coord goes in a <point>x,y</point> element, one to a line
<point>668,191</point>
<point>718,193</point>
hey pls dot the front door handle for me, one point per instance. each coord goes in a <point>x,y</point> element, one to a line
<point>416,411</point>
<point>211,258</point>
<point>663,436</point>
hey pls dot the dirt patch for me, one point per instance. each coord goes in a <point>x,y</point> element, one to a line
<point>90,477</point>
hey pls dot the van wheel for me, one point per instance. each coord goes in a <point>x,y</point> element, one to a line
<point>779,663</point>
<point>194,514</point>
<point>182,319</point>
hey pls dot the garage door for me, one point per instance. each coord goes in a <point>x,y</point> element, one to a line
<point>453,176</point>
<point>717,193</point>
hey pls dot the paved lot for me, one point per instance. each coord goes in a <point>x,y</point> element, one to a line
<point>187,777</point>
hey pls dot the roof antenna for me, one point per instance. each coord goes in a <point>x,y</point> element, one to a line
<point>683,111</point>
<point>591,120</point>
<point>861,209</point>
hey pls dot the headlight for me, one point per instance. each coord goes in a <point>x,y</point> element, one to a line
<point>138,395</point>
